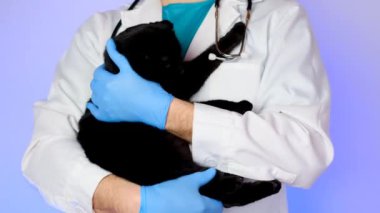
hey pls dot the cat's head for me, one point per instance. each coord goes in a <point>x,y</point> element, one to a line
<point>152,50</point>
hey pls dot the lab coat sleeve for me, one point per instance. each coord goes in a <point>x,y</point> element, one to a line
<point>286,136</point>
<point>54,161</point>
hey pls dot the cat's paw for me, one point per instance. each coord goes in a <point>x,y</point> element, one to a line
<point>250,192</point>
<point>244,106</point>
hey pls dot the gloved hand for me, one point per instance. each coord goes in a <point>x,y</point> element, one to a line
<point>180,195</point>
<point>126,96</point>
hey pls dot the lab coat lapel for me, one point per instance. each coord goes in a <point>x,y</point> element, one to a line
<point>145,12</point>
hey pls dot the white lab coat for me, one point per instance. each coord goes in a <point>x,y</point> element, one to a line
<point>284,137</point>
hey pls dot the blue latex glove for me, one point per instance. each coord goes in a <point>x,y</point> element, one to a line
<point>180,195</point>
<point>126,96</point>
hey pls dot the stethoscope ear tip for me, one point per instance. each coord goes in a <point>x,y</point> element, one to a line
<point>213,57</point>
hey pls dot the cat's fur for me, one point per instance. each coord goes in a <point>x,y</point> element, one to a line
<point>146,155</point>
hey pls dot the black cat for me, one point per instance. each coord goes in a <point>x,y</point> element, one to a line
<point>146,155</point>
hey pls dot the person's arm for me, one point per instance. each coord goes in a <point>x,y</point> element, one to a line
<point>182,194</point>
<point>115,194</point>
<point>54,161</point>
<point>286,136</point>
<point>180,119</point>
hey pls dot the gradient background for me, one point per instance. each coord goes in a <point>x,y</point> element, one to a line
<point>347,33</point>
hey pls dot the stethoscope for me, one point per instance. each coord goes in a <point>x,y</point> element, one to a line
<point>222,55</point>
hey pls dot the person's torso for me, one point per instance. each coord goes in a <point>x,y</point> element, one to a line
<point>233,80</point>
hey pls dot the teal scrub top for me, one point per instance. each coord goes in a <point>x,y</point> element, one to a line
<point>186,18</point>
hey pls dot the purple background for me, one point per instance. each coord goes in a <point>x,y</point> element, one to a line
<point>347,33</point>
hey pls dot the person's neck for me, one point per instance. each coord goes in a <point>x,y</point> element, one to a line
<point>166,2</point>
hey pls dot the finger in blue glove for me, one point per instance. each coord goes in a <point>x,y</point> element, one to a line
<point>180,195</point>
<point>126,96</point>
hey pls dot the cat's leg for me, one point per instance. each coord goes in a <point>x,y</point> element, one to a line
<point>199,69</point>
<point>226,44</point>
<point>233,190</point>
<point>239,107</point>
